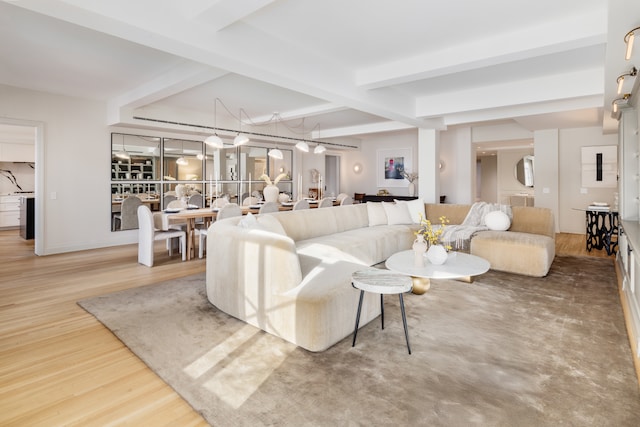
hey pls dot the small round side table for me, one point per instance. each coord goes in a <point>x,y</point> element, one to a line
<point>381,282</point>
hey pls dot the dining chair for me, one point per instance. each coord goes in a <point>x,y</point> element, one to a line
<point>341,196</point>
<point>346,201</point>
<point>168,198</point>
<point>227,211</point>
<point>176,204</point>
<point>197,200</point>
<point>269,207</point>
<point>250,201</point>
<point>301,204</point>
<point>219,202</point>
<point>325,203</point>
<point>129,213</point>
<point>147,234</point>
<point>358,197</point>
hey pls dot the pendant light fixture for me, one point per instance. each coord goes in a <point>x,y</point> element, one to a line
<point>214,140</point>
<point>319,148</point>
<point>181,160</point>
<point>302,145</point>
<point>275,153</point>
<point>240,139</point>
<point>122,154</point>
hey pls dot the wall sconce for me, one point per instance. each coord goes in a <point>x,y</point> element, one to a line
<point>628,39</point>
<point>620,101</point>
<point>621,78</point>
<point>357,168</point>
<point>441,165</point>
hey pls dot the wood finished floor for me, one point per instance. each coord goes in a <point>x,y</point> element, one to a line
<point>60,366</point>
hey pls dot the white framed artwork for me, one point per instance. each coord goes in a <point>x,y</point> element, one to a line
<point>390,165</point>
<point>600,166</point>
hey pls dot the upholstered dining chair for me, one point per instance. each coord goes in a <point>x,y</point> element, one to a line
<point>219,202</point>
<point>269,207</point>
<point>301,204</point>
<point>325,203</point>
<point>227,211</point>
<point>129,213</point>
<point>358,197</point>
<point>168,198</point>
<point>197,200</point>
<point>341,196</point>
<point>147,234</point>
<point>250,200</point>
<point>346,201</point>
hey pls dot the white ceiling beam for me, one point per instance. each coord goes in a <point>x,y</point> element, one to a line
<point>536,90</point>
<point>360,130</point>
<point>554,37</point>
<point>516,111</point>
<point>186,76</point>
<point>219,14</point>
<point>311,111</point>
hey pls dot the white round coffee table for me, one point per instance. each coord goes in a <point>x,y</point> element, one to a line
<point>458,265</point>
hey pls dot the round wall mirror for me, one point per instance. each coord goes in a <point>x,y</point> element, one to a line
<point>525,171</point>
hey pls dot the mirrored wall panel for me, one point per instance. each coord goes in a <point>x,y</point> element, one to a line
<point>148,170</point>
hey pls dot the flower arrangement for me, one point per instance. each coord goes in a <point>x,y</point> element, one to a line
<point>432,235</point>
<point>409,176</point>
<point>266,178</point>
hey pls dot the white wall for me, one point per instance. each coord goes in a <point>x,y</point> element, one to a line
<point>366,181</point>
<point>75,164</point>
<point>570,177</point>
<point>488,176</point>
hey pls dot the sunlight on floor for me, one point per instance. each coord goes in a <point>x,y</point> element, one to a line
<point>236,382</point>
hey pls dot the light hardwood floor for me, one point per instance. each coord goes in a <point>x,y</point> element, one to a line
<point>60,366</point>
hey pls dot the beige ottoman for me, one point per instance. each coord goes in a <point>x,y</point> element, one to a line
<point>515,252</point>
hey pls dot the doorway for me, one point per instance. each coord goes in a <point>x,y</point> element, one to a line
<point>332,175</point>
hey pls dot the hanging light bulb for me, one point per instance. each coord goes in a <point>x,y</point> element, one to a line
<point>240,139</point>
<point>182,161</point>
<point>200,156</point>
<point>302,146</point>
<point>276,154</point>
<point>214,140</point>
<point>122,154</point>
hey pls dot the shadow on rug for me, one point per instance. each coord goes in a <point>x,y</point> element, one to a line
<point>505,350</point>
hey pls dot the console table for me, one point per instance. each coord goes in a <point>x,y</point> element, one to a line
<point>389,198</point>
<point>602,230</point>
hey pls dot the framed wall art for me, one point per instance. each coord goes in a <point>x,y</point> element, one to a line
<point>390,165</point>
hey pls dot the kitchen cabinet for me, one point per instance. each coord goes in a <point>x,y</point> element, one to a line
<point>17,152</point>
<point>9,211</point>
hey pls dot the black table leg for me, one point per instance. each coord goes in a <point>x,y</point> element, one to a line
<point>382,310</point>
<point>355,332</point>
<point>404,322</point>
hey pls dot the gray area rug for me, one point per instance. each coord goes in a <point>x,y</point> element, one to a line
<point>506,350</point>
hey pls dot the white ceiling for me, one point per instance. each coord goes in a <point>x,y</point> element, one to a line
<point>352,67</point>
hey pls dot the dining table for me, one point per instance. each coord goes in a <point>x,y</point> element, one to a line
<point>164,220</point>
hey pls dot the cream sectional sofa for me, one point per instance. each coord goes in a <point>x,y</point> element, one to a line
<point>289,273</point>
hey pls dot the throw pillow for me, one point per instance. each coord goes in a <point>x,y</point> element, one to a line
<point>497,221</point>
<point>376,213</point>
<point>269,223</point>
<point>415,208</point>
<point>249,222</point>
<point>397,214</point>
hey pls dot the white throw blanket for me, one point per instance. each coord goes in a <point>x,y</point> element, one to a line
<point>459,236</point>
